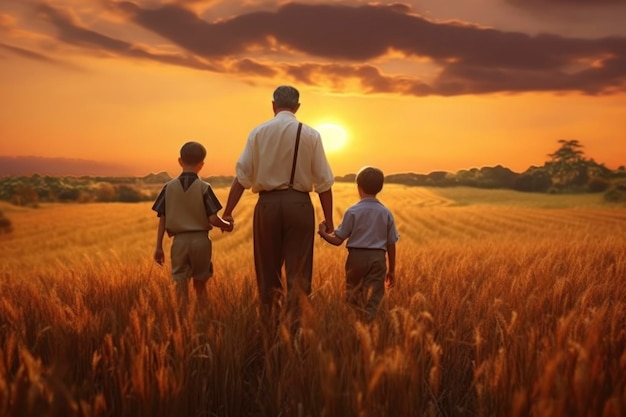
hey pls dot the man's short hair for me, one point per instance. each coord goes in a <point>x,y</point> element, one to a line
<point>192,153</point>
<point>286,96</point>
<point>370,180</point>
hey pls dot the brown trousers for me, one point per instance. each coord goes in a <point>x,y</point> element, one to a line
<point>283,233</point>
<point>365,280</point>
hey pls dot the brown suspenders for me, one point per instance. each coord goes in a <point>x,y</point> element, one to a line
<point>295,157</point>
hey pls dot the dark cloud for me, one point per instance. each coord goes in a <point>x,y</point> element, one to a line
<point>252,67</point>
<point>349,40</point>
<point>370,78</point>
<point>71,32</point>
<point>591,3</point>
<point>25,53</point>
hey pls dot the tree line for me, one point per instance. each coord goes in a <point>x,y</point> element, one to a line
<point>567,170</point>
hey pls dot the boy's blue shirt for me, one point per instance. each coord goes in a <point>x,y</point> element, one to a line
<point>368,224</point>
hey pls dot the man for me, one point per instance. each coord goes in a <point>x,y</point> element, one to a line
<point>283,161</point>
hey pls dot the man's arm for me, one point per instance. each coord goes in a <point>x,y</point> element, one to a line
<point>390,280</point>
<point>326,200</point>
<point>236,190</point>
<point>159,255</point>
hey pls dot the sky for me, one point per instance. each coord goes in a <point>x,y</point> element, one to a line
<point>409,86</point>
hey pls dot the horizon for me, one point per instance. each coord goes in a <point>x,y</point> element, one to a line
<point>437,86</point>
<point>32,165</point>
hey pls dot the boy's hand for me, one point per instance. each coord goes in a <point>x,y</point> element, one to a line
<point>390,280</point>
<point>159,256</point>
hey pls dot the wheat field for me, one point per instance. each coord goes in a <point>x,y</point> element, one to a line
<point>506,304</point>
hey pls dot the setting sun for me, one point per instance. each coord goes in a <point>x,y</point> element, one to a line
<point>334,136</point>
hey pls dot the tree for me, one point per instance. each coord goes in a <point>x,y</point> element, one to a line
<point>567,165</point>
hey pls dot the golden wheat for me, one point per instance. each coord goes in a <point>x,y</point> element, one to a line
<point>506,305</point>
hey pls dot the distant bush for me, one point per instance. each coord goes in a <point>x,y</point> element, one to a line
<point>598,184</point>
<point>617,193</point>
<point>128,194</point>
<point>533,180</point>
<point>105,192</point>
<point>69,194</point>
<point>5,224</point>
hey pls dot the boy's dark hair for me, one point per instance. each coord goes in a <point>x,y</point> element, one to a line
<point>286,96</point>
<point>192,153</point>
<point>370,180</point>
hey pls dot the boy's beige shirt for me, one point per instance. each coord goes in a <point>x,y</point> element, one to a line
<point>185,209</point>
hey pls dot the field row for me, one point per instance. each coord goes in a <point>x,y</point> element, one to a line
<point>503,307</point>
<point>75,233</point>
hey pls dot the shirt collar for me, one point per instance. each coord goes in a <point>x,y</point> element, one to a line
<point>286,114</point>
<point>188,174</point>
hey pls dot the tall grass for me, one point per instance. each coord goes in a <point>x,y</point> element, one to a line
<point>500,310</point>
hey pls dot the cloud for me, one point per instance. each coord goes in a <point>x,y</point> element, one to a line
<point>73,33</point>
<point>25,53</point>
<point>590,3</point>
<point>347,46</point>
<point>29,165</point>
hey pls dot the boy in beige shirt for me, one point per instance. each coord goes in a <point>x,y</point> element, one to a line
<point>187,210</point>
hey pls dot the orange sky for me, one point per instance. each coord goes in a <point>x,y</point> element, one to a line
<point>417,88</point>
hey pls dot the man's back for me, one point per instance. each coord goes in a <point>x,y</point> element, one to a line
<point>267,160</point>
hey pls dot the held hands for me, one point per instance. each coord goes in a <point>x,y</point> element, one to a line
<point>328,234</point>
<point>230,227</point>
<point>231,224</point>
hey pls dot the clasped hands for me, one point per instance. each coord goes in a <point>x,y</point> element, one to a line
<point>323,228</point>
<point>231,222</point>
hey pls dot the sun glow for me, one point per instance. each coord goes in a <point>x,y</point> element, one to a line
<point>334,136</point>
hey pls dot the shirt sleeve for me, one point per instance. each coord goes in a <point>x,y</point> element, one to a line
<point>392,231</point>
<point>211,203</point>
<point>159,203</point>
<point>344,230</point>
<point>323,178</point>
<point>244,168</point>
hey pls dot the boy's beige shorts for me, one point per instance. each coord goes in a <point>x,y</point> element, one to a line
<point>191,256</point>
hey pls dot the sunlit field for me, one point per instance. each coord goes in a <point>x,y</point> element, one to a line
<point>507,304</point>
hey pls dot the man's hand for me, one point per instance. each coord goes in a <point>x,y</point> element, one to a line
<point>322,227</point>
<point>159,256</point>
